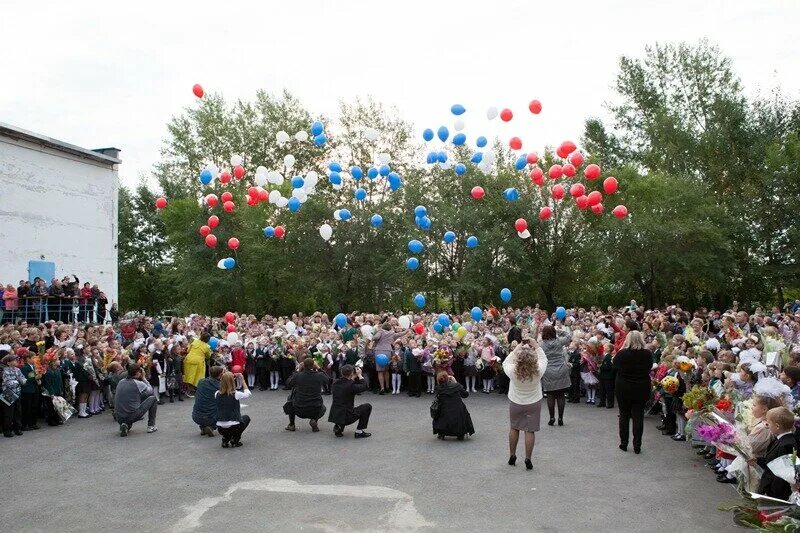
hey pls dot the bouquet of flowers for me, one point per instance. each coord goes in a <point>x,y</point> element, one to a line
<point>50,356</point>
<point>699,399</point>
<point>38,367</point>
<point>670,384</point>
<point>724,405</point>
<point>40,347</point>
<point>479,364</point>
<point>441,356</point>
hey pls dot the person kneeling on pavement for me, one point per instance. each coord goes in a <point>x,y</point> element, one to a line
<point>204,412</point>
<point>134,398</point>
<point>342,411</point>
<point>305,400</point>
<point>230,422</point>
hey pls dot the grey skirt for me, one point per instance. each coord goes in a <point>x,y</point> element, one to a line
<point>525,417</point>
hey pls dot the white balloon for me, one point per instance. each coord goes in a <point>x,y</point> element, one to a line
<point>338,187</point>
<point>262,171</point>
<point>524,234</point>
<point>300,194</point>
<point>337,215</point>
<point>282,202</point>
<point>483,166</point>
<point>311,180</point>
<point>458,125</point>
<point>236,160</point>
<point>446,165</point>
<point>221,264</point>
<point>233,337</point>
<point>288,161</point>
<point>301,136</point>
<point>384,158</point>
<point>489,157</point>
<point>404,322</point>
<point>371,134</point>
<point>273,196</point>
<point>366,330</point>
<point>281,137</point>
<point>290,327</point>
<point>325,231</point>
<point>214,170</point>
<point>261,180</point>
<point>491,113</point>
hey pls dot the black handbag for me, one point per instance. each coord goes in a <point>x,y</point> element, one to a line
<point>436,409</point>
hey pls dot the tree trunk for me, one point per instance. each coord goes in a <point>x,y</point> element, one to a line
<point>779,295</point>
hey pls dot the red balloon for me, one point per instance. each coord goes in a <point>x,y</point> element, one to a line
<point>595,198</point>
<point>515,143</point>
<point>230,329</point>
<point>211,240</point>
<point>198,91</point>
<point>161,203</point>
<point>204,230</point>
<point>506,115</point>
<point>521,225</point>
<point>576,159</point>
<point>535,106</point>
<point>569,170</point>
<point>252,191</point>
<point>592,172</point>
<point>537,176</point>
<point>224,177</point>
<point>229,207</point>
<point>582,202</point>
<point>212,200</point>
<point>545,213</point>
<point>252,201</point>
<point>555,172</point>
<point>230,317</point>
<point>577,190</point>
<point>280,231</point>
<point>532,158</point>
<point>620,212</point>
<point>233,243</point>
<point>419,328</point>
<point>610,185</point>
<point>558,191</point>
<point>213,221</point>
<point>227,197</point>
<point>238,171</point>
<point>263,195</point>
<point>477,192</point>
<point>597,209</point>
<point>567,147</point>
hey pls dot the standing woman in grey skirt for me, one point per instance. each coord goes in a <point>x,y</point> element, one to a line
<point>556,381</point>
<point>524,368</point>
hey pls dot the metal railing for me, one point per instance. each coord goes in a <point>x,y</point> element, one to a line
<point>68,309</point>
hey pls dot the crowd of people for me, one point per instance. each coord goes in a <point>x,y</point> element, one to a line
<point>63,300</point>
<point>727,381</point>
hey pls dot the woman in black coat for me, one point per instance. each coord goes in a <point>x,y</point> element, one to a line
<point>632,364</point>
<point>453,419</point>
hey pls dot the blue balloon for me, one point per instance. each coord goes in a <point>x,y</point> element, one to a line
<point>333,166</point>
<point>477,157</point>
<point>214,343</point>
<point>376,220</point>
<point>459,139</point>
<point>297,182</point>
<point>394,181</point>
<point>437,327</point>
<point>384,170</point>
<point>476,313</point>
<point>443,320</point>
<point>472,241</point>
<point>372,173</point>
<point>481,141</point>
<point>345,214</point>
<point>521,162</point>
<point>424,223</point>
<point>561,313</point>
<point>269,231</point>
<point>419,301</point>
<point>319,140</point>
<point>432,158</point>
<point>505,295</point>
<point>293,205</point>
<point>356,172</point>
<point>441,157</point>
<point>205,176</point>
<point>415,246</point>
<point>449,237</point>
<point>335,178</point>
<point>511,194</point>
<point>420,211</point>
<point>460,169</point>
<point>427,134</point>
<point>443,133</point>
<point>229,263</point>
<point>361,194</point>
<point>457,109</point>
<point>317,128</point>
<point>382,359</point>
<point>340,320</point>
<point>412,263</point>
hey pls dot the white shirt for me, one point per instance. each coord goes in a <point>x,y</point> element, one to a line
<point>524,392</point>
<point>239,395</point>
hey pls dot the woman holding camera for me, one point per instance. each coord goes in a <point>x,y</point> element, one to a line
<point>524,367</point>
<point>230,422</point>
<point>453,418</point>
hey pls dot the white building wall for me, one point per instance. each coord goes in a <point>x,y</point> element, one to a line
<point>58,207</point>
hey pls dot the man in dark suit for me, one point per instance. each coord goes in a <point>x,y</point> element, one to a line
<point>305,401</point>
<point>780,421</point>
<point>342,411</point>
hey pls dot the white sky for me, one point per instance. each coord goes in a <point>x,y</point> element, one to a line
<point>100,73</point>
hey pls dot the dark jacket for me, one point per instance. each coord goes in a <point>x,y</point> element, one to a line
<point>514,334</point>
<point>344,393</point>
<point>204,412</point>
<point>770,484</point>
<point>454,419</point>
<point>633,375</point>
<point>307,387</point>
<point>410,362</point>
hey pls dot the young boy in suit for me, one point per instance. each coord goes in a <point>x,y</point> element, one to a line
<point>780,421</point>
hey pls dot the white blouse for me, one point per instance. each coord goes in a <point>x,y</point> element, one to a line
<point>524,392</point>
